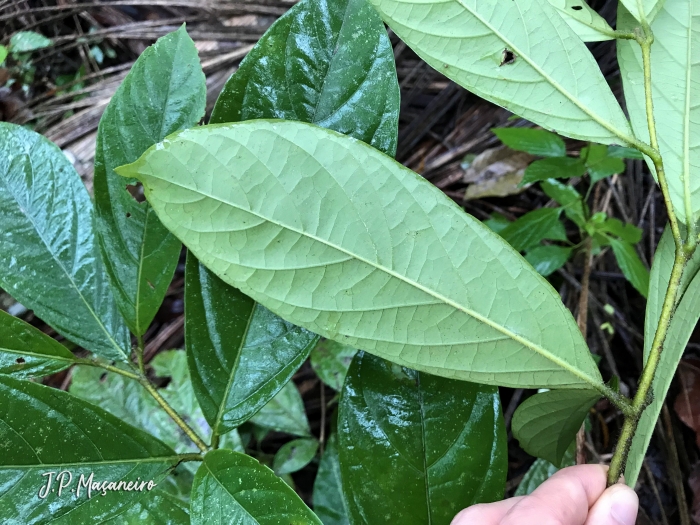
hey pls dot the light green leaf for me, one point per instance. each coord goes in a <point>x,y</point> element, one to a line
<point>329,62</point>
<point>294,456</point>
<point>674,88</point>
<point>234,488</point>
<point>649,8</point>
<point>554,168</point>
<point>548,259</point>
<point>3,54</point>
<point>240,354</point>
<point>533,141</point>
<point>49,259</point>
<point>416,448</point>
<point>570,199</point>
<point>586,22</point>
<point>630,264</point>
<point>540,471</point>
<point>518,54</point>
<point>546,423</point>
<point>28,41</point>
<point>359,276</point>
<point>28,352</point>
<point>331,360</point>
<point>285,413</point>
<point>533,227</point>
<point>329,502</point>
<point>47,430</point>
<point>682,325</point>
<point>164,92</point>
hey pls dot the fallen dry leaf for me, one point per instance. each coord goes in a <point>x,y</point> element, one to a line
<point>496,172</point>
<point>687,404</point>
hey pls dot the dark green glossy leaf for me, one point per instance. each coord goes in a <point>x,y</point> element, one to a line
<point>47,430</point>
<point>328,62</point>
<point>540,471</point>
<point>548,259</point>
<point>294,456</point>
<point>234,488</point>
<point>240,354</point>
<point>284,413</point>
<point>631,265</point>
<point>599,164</point>
<point>156,508</point>
<point>533,141</point>
<point>546,423</point>
<point>416,448</point>
<point>331,360</point>
<point>164,92</point>
<point>49,259</point>
<point>533,227</point>
<point>27,352</point>
<point>569,199</point>
<point>329,502</point>
<point>554,168</point>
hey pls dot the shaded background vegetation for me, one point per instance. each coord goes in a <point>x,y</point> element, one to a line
<point>62,90</point>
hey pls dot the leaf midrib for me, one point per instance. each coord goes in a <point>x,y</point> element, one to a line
<point>549,79</point>
<point>528,344</point>
<point>234,369</point>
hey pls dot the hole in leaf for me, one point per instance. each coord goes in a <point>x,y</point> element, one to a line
<point>508,57</point>
<point>20,361</point>
<point>128,215</point>
<point>103,377</point>
<point>136,191</point>
<point>576,7</point>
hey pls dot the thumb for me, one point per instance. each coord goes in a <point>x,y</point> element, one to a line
<point>618,505</point>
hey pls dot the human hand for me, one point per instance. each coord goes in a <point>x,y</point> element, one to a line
<point>572,496</point>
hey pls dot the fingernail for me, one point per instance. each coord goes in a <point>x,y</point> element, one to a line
<point>624,506</point>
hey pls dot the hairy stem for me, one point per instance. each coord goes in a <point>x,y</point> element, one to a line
<point>140,348</point>
<point>201,445</point>
<point>143,380</point>
<point>644,394</point>
<point>582,321</point>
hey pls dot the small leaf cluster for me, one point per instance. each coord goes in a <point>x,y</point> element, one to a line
<point>596,162</point>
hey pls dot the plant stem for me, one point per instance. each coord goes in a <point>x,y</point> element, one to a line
<point>140,348</point>
<point>190,457</point>
<point>582,321</point>
<point>644,395</point>
<point>109,368</point>
<point>173,414</point>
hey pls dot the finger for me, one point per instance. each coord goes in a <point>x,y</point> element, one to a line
<point>617,506</point>
<point>485,513</point>
<point>563,499</point>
